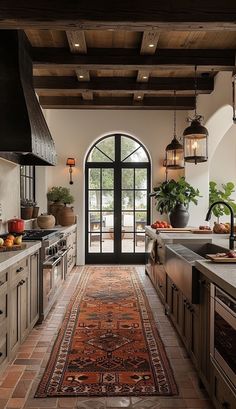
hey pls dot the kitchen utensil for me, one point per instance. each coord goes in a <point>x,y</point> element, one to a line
<point>16,225</point>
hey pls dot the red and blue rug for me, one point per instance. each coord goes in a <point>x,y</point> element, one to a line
<point>108,344</point>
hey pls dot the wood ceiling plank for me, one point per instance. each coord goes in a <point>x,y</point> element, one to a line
<point>77,42</point>
<point>154,15</point>
<point>123,59</point>
<point>186,103</point>
<point>126,85</point>
<point>149,42</point>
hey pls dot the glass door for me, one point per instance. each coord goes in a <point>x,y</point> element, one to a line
<point>117,201</point>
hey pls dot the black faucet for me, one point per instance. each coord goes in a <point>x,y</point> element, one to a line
<point>232,237</point>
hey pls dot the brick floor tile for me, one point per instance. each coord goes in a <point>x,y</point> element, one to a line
<point>11,379</point>
<point>5,393</point>
<point>67,402</point>
<point>22,388</point>
<point>15,403</point>
<point>3,403</point>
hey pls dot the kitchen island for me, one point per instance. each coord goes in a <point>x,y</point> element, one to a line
<point>194,291</point>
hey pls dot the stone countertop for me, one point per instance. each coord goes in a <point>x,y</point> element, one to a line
<point>64,229</point>
<point>9,258</point>
<point>223,275</point>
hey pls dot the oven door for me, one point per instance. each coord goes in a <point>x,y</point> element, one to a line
<point>223,331</point>
<point>53,274</point>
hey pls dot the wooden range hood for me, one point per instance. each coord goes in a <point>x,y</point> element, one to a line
<point>25,137</point>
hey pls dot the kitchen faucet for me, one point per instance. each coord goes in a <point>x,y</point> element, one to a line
<point>232,237</point>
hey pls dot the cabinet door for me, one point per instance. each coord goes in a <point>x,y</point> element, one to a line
<point>34,288</point>
<point>24,307</point>
<point>204,313</point>
<point>222,393</point>
<point>14,314</point>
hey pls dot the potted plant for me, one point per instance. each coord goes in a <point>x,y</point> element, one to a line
<point>55,197</point>
<point>27,207</point>
<point>221,194</point>
<point>173,198</point>
<point>66,216</point>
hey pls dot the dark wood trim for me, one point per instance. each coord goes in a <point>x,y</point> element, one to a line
<point>125,15</point>
<point>124,85</point>
<point>112,58</point>
<point>186,103</point>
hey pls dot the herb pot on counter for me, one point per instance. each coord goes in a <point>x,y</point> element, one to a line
<point>15,225</point>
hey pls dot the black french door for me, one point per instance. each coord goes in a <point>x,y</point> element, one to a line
<point>117,183</point>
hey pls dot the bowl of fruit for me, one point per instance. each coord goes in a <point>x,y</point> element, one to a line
<point>11,242</point>
<point>160,224</point>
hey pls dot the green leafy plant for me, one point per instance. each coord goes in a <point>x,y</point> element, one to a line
<point>224,193</point>
<point>60,194</point>
<point>172,192</point>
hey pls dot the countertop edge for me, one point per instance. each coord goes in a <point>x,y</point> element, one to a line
<point>18,255</point>
<point>207,268</point>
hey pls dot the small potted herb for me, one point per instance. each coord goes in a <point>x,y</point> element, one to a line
<point>173,198</point>
<point>27,207</point>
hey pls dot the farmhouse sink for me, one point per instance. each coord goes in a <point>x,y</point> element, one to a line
<point>180,265</point>
<point>206,248</point>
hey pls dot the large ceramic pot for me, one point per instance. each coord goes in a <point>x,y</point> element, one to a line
<point>179,216</point>
<point>66,216</point>
<point>46,221</point>
<point>54,209</point>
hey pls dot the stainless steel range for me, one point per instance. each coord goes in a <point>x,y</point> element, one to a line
<point>53,265</point>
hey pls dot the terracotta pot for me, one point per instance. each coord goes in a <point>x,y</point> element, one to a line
<point>16,225</point>
<point>35,212</point>
<point>66,216</point>
<point>54,209</point>
<point>46,221</point>
<point>26,213</point>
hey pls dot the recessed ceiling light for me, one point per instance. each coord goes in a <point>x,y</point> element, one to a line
<point>76,44</point>
<point>151,45</point>
<point>81,76</point>
<point>139,97</point>
<point>144,77</point>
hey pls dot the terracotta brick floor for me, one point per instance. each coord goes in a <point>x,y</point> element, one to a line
<point>20,379</point>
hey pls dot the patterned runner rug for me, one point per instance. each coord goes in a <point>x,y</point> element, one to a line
<point>108,344</point>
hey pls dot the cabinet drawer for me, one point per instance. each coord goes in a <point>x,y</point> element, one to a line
<point>21,267</point>
<point>222,394</point>
<point>3,345</point>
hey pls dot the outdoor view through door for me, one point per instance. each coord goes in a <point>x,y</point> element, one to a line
<point>117,200</point>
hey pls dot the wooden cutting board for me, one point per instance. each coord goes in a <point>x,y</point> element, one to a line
<point>15,247</point>
<point>174,230</point>
<point>198,231</point>
<point>217,259</point>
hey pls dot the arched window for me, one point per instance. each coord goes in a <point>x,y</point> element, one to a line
<point>117,200</point>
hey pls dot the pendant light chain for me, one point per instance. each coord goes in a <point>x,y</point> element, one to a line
<point>175,114</point>
<point>195,88</point>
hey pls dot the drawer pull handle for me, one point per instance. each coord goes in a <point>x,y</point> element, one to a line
<point>20,269</point>
<point>1,312</point>
<point>1,354</point>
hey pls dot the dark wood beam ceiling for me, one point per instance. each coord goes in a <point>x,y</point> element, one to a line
<point>124,85</point>
<point>129,59</point>
<point>127,15</point>
<point>185,103</point>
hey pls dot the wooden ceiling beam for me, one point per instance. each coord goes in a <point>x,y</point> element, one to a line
<point>77,42</point>
<point>153,15</point>
<point>118,59</point>
<point>125,85</point>
<point>164,103</point>
<point>149,42</point>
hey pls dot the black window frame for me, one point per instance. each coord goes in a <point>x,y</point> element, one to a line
<point>26,191</point>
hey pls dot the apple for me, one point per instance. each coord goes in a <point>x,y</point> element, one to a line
<point>18,240</point>
<point>1,241</point>
<point>231,254</point>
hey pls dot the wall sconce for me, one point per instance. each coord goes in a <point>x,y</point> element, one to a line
<point>71,163</point>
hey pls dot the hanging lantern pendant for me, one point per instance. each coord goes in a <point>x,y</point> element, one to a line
<point>174,151</point>
<point>195,137</point>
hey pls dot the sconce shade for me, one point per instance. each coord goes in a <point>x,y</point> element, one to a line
<point>174,155</point>
<point>70,162</point>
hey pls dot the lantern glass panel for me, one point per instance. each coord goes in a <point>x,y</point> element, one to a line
<point>195,148</point>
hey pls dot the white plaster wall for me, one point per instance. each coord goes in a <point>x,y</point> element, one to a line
<point>75,131</point>
<point>217,112</point>
<point>9,191</point>
<point>223,163</point>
